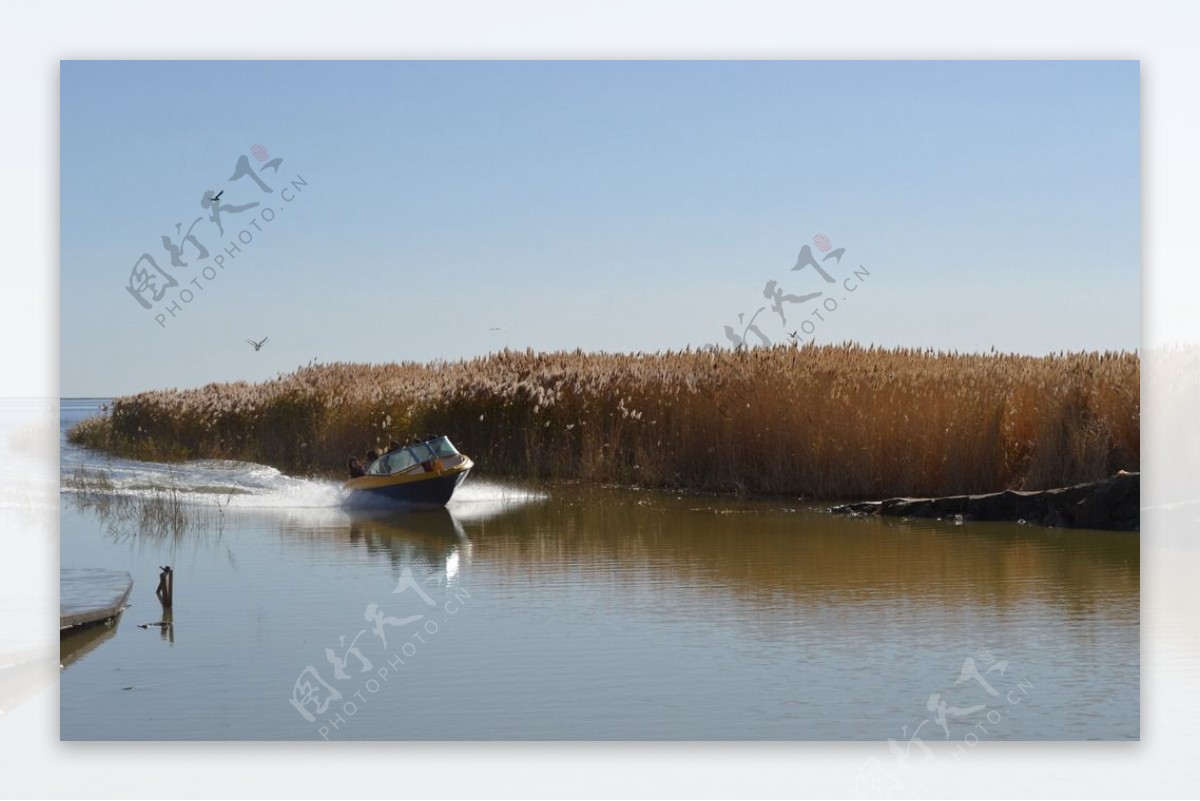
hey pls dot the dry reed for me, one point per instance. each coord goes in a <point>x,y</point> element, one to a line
<point>816,421</point>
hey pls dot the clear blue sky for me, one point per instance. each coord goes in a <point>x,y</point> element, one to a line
<point>601,205</point>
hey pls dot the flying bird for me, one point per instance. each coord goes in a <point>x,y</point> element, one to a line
<point>257,345</point>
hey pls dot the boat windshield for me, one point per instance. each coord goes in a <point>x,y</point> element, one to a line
<point>442,447</point>
<point>411,457</point>
<point>392,462</point>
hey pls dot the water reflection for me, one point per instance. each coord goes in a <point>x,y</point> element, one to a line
<point>762,552</point>
<point>756,551</point>
<point>81,641</point>
<point>428,539</point>
<point>166,626</point>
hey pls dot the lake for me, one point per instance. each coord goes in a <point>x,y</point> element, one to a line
<point>547,612</point>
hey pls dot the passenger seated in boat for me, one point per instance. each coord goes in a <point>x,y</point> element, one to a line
<point>372,455</point>
<point>425,455</point>
<point>356,467</point>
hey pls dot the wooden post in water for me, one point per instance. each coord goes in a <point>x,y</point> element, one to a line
<point>166,586</point>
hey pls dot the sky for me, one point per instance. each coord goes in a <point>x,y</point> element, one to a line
<point>441,210</point>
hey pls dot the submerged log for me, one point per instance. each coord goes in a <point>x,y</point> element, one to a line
<point>1112,504</point>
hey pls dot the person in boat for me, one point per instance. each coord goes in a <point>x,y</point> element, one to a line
<point>393,446</point>
<point>356,467</point>
<point>372,456</point>
<point>426,465</point>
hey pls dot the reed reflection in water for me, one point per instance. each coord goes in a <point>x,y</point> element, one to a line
<point>614,614</point>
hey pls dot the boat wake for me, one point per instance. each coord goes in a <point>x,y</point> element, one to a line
<point>245,486</point>
<point>230,484</point>
<point>234,486</point>
<point>481,499</point>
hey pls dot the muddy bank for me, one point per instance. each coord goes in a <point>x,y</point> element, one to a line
<point>1111,504</point>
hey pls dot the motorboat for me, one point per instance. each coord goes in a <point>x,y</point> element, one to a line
<point>423,474</point>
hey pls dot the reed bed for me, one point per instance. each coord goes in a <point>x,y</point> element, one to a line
<point>814,421</point>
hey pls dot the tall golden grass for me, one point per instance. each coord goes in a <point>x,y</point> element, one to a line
<point>816,421</point>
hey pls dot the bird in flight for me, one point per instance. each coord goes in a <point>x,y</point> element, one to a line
<point>493,329</point>
<point>257,345</point>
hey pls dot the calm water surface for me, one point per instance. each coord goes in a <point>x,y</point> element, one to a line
<point>561,612</point>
